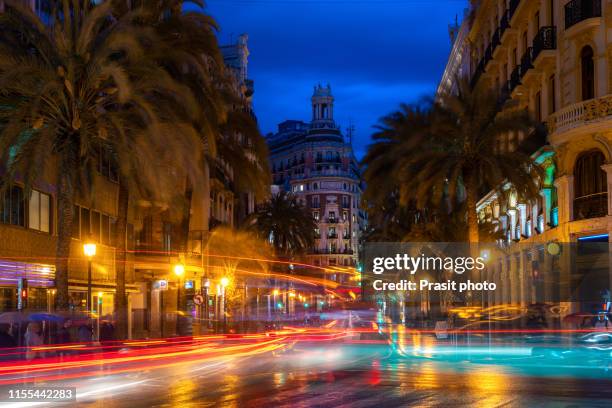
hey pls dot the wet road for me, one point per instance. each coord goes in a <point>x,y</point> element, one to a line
<point>365,377</point>
<point>341,372</point>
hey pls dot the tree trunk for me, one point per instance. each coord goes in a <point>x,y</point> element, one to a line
<point>471,190</point>
<point>65,207</point>
<point>120,265</point>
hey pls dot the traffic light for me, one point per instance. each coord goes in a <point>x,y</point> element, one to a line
<point>22,294</point>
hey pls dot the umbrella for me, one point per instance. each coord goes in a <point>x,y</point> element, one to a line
<point>39,317</point>
<point>13,317</point>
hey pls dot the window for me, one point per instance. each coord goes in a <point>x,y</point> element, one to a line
<point>167,237</point>
<point>587,69</point>
<point>315,201</point>
<point>332,215</point>
<point>315,215</point>
<point>13,207</point>
<point>106,164</point>
<point>538,106</point>
<point>551,9</point>
<point>105,230</point>
<point>85,224</point>
<point>590,186</point>
<point>95,225</point>
<point>552,101</point>
<point>76,222</point>
<point>39,211</point>
<point>344,215</point>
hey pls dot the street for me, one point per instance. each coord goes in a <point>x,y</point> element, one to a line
<point>328,368</point>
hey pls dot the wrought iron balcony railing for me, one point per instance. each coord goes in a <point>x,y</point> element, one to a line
<point>591,206</point>
<point>580,10</point>
<point>545,39</point>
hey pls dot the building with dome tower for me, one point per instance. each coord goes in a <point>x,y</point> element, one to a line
<point>315,161</point>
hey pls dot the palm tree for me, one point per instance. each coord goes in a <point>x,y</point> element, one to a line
<point>463,157</point>
<point>77,81</point>
<point>285,223</point>
<point>186,48</point>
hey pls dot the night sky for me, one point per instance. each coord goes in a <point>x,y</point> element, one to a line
<point>375,54</point>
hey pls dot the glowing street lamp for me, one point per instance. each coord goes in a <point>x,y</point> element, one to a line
<point>179,270</point>
<point>224,283</point>
<point>89,249</point>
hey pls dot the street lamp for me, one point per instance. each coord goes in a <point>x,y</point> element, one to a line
<point>100,294</point>
<point>224,283</point>
<point>89,250</point>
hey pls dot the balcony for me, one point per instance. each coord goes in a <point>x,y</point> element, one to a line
<point>545,39</point>
<point>591,206</point>
<point>577,11</point>
<point>477,73</point>
<point>513,6</point>
<point>526,62</point>
<point>332,251</point>
<point>332,221</point>
<point>594,112</point>
<point>515,79</point>
<point>504,24</point>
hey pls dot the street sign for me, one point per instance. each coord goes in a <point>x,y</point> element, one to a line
<point>198,299</point>
<point>162,284</point>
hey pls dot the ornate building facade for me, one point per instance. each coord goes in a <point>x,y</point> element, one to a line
<point>315,162</point>
<point>553,58</point>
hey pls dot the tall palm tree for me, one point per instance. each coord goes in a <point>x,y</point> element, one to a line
<point>78,80</point>
<point>187,49</point>
<point>287,224</point>
<point>463,158</point>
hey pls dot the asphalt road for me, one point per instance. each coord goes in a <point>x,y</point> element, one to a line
<point>337,375</point>
<point>327,370</point>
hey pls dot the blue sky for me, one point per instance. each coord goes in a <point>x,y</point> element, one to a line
<point>374,53</point>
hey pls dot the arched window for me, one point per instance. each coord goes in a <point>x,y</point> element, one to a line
<point>587,69</point>
<point>590,186</point>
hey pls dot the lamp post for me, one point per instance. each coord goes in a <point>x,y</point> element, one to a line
<point>100,294</point>
<point>179,271</point>
<point>89,250</point>
<point>224,282</point>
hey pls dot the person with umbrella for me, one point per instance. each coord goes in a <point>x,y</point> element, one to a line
<point>32,340</point>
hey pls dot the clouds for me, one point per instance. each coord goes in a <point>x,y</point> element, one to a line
<point>375,54</point>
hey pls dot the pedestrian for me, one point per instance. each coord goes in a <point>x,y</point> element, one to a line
<point>33,339</point>
<point>63,334</point>
<point>6,340</point>
<point>601,322</point>
<point>85,333</point>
